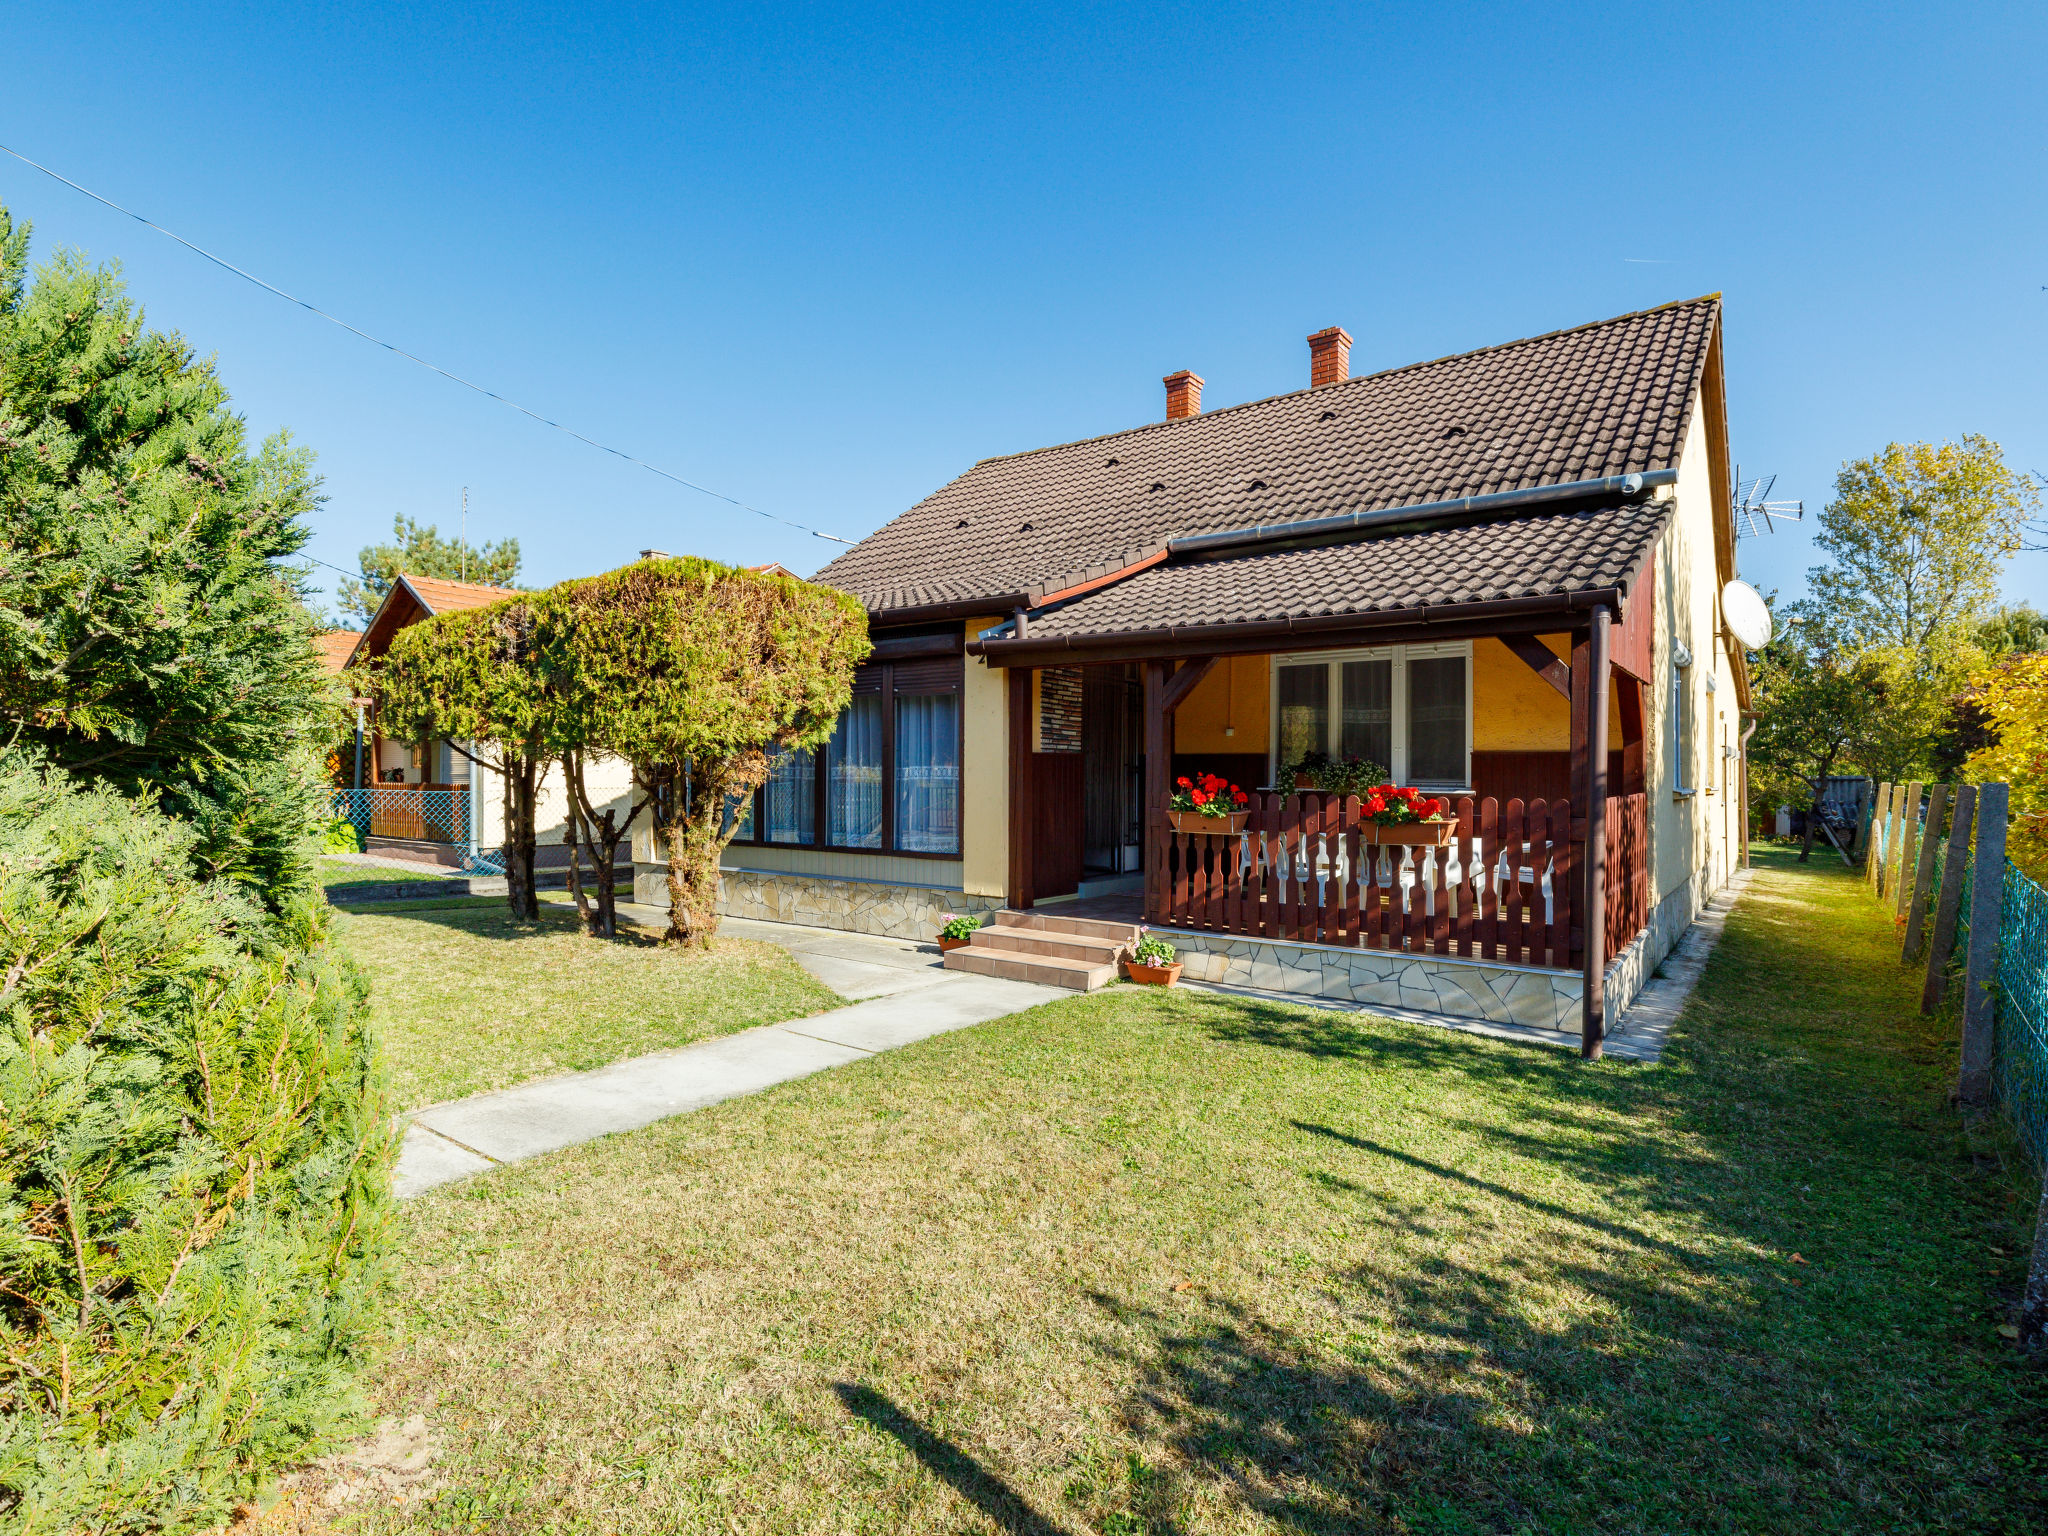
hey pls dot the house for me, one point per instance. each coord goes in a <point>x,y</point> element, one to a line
<point>1498,573</point>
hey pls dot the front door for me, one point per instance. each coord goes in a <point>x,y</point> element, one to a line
<point>1112,732</point>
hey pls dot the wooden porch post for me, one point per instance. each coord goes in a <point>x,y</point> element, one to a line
<point>1158,772</point>
<point>1023,802</point>
<point>1594,1026</point>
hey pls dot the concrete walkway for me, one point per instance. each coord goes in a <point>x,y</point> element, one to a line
<point>907,996</point>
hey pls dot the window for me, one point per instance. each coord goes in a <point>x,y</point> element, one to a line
<point>928,772</point>
<point>1406,707</point>
<point>791,800</point>
<point>887,781</point>
<point>854,804</point>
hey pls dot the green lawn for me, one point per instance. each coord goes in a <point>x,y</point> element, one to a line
<point>1152,1262</point>
<point>339,878</point>
<point>467,1000</point>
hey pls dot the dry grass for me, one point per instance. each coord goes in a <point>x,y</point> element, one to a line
<point>1177,1264</point>
<point>467,1000</point>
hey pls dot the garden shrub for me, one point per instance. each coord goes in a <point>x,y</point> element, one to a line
<point>193,1151</point>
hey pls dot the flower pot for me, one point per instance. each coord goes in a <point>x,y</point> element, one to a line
<point>1416,834</point>
<point>1303,781</point>
<point>1153,975</point>
<point>947,945</point>
<point>1214,826</point>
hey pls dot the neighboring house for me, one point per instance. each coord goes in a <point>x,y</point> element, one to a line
<point>427,797</point>
<point>1498,572</point>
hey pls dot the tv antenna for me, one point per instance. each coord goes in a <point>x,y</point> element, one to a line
<point>1755,512</point>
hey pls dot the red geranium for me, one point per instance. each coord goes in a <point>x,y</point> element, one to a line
<point>1209,794</point>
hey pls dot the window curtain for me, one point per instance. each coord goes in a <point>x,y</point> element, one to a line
<point>854,778</point>
<point>791,799</point>
<point>1436,720</point>
<point>1304,712</point>
<point>928,772</point>
<point>1368,729</point>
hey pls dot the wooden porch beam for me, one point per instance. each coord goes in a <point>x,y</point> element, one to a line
<point>1542,660</point>
<point>1185,681</point>
<point>1593,1027</point>
<point>1023,805</point>
<point>1158,772</point>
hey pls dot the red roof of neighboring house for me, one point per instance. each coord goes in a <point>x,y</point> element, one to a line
<point>413,598</point>
<point>336,646</point>
<point>453,596</point>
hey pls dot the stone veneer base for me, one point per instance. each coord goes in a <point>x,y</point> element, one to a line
<point>890,911</point>
<point>1461,989</point>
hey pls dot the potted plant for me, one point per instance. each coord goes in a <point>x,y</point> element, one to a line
<point>1152,963</point>
<point>1208,804</point>
<point>957,932</point>
<point>1402,814</point>
<point>1351,775</point>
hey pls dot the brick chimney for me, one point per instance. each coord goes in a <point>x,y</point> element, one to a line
<point>1329,357</point>
<point>1183,394</point>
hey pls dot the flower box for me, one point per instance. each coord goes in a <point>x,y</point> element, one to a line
<point>1415,834</point>
<point>947,946</point>
<point>1214,826</point>
<point>1153,975</point>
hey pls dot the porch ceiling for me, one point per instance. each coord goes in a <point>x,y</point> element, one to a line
<point>1502,574</point>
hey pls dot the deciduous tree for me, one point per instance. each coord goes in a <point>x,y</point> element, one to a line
<point>1817,712</point>
<point>1917,535</point>
<point>700,675</point>
<point>487,681</point>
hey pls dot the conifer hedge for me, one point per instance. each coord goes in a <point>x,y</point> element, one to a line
<point>193,1136</point>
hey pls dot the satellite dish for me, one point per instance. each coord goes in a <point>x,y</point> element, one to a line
<point>1747,616</point>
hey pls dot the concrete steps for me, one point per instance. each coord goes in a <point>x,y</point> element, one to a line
<point>1053,951</point>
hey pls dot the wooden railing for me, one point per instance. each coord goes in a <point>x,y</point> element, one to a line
<point>1507,888</point>
<point>1628,883</point>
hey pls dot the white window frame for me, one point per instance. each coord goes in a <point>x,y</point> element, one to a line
<point>1400,655</point>
<point>1681,717</point>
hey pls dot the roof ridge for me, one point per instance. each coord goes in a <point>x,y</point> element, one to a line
<point>1363,378</point>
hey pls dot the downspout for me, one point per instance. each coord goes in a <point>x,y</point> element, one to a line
<point>1742,746</point>
<point>1593,1026</point>
<point>359,744</point>
<point>476,807</point>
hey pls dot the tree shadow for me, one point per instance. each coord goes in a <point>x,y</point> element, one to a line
<point>996,1499</point>
<point>1549,1208</point>
<point>1311,1028</point>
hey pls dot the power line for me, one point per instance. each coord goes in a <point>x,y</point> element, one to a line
<point>413,357</point>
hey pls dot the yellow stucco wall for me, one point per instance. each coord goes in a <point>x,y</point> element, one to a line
<point>984,775</point>
<point>1514,710</point>
<point>1236,693</point>
<point>1693,831</point>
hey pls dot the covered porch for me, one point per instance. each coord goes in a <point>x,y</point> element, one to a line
<point>1547,867</point>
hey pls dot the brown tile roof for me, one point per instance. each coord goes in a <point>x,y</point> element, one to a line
<point>336,646</point>
<point>453,596</point>
<point>1543,556</point>
<point>1605,399</point>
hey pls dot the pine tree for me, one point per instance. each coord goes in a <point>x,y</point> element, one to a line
<point>420,550</point>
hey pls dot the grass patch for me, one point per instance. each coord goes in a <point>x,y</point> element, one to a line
<point>468,1000</point>
<point>340,877</point>
<point>1150,1262</point>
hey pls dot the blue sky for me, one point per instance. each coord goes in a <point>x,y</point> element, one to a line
<point>824,258</point>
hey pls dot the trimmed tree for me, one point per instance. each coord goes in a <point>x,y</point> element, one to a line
<point>491,678</point>
<point>701,675</point>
